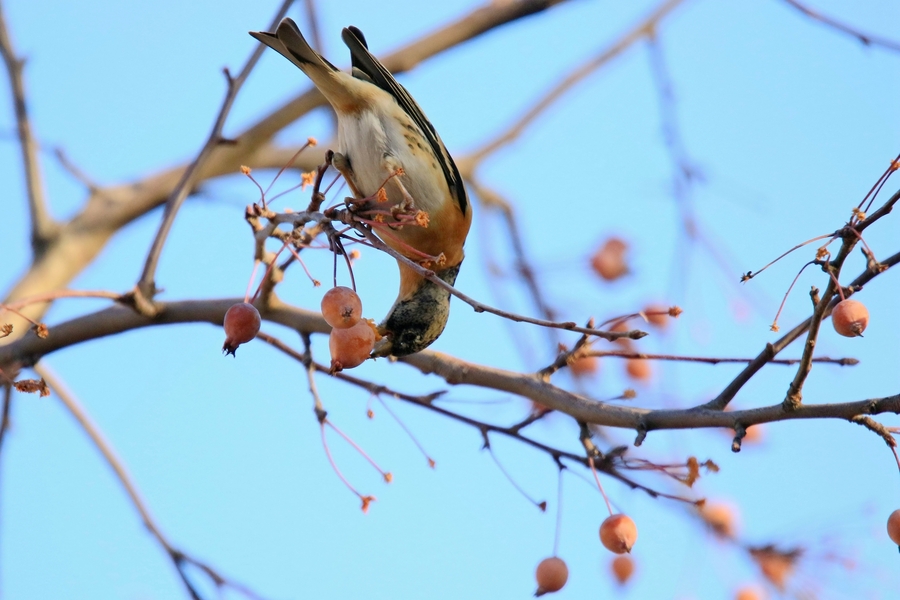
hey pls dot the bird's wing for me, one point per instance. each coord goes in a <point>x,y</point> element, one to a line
<point>366,63</point>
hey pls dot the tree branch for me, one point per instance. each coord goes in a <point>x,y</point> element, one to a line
<point>865,38</point>
<point>179,558</point>
<point>146,286</point>
<point>644,28</point>
<point>29,349</point>
<point>43,227</point>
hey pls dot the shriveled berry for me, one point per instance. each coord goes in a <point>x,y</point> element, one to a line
<point>341,307</point>
<point>850,318</point>
<point>351,347</point>
<point>241,325</point>
<point>618,533</point>
<point>551,574</point>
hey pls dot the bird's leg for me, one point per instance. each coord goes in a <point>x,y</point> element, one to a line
<point>341,164</point>
<point>394,169</point>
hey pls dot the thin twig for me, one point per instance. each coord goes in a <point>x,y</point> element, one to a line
<point>178,557</point>
<point>57,294</point>
<point>645,27</point>
<point>843,362</point>
<point>43,227</point>
<point>523,266</point>
<point>146,286</point>
<point>771,350</point>
<point>865,38</point>
<point>5,412</point>
<point>480,306</point>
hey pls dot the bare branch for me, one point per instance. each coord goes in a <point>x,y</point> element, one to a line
<point>522,265</point>
<point>643,29</point>
<point>609,465</point>
<point>146,286</point>
<point>4,412</point>
<point>480,306</point>
<point>865,38</point>
<point>103,446</point>
<point>771,350</point>
<point>28,350</point>
<point>179,558</point>
<point>43,227</point>
<point>712,360</point>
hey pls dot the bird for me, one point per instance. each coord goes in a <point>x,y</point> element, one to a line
<point>382,131</point>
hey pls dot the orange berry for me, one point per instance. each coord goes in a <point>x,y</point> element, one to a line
<point>618,533</point>
<point>754,435</point>
<point>748,593</point>
<point>638,369</point>
<point>351,347</point>
<point>893,526</point>
<point>657,315</point>
<point>622,568</point>
<point>586,365</point>
<point>241,325</point>
<point>551,575</point>
<point>850,318</point>
<point>609,261</point>
<point>620,327</point>
<point>341,307</point>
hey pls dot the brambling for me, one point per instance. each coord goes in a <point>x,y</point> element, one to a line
<point>383,132</point>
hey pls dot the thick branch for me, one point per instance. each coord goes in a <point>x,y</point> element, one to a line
<point>28,350</point>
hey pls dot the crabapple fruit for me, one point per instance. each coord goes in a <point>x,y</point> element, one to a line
<point>850,318</point>
<point>341,307</point>
<point>551,574</point>
<point>241,325</point>
<point>893,526</point>
<point>618,533</point>
<point>351,347</point>
<point>638,369</point>
<point>623,568</point>
<point>609,261</point>
<point>584,366</point>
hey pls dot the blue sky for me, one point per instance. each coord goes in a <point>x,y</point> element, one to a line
<point>789,123</point>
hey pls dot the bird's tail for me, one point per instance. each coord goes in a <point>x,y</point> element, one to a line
<point>290,43</point>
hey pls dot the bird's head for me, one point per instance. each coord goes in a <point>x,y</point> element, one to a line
<point>418,316</point>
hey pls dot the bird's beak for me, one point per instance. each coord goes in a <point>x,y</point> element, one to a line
<point>417,318</point>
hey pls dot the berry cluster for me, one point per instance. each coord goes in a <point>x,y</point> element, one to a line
<point>618,533</point>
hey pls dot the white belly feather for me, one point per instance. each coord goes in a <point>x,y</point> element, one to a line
<point>380,145</point>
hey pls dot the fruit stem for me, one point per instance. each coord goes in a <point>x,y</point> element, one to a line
<point>597,479</point>
<point>559,496</point>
